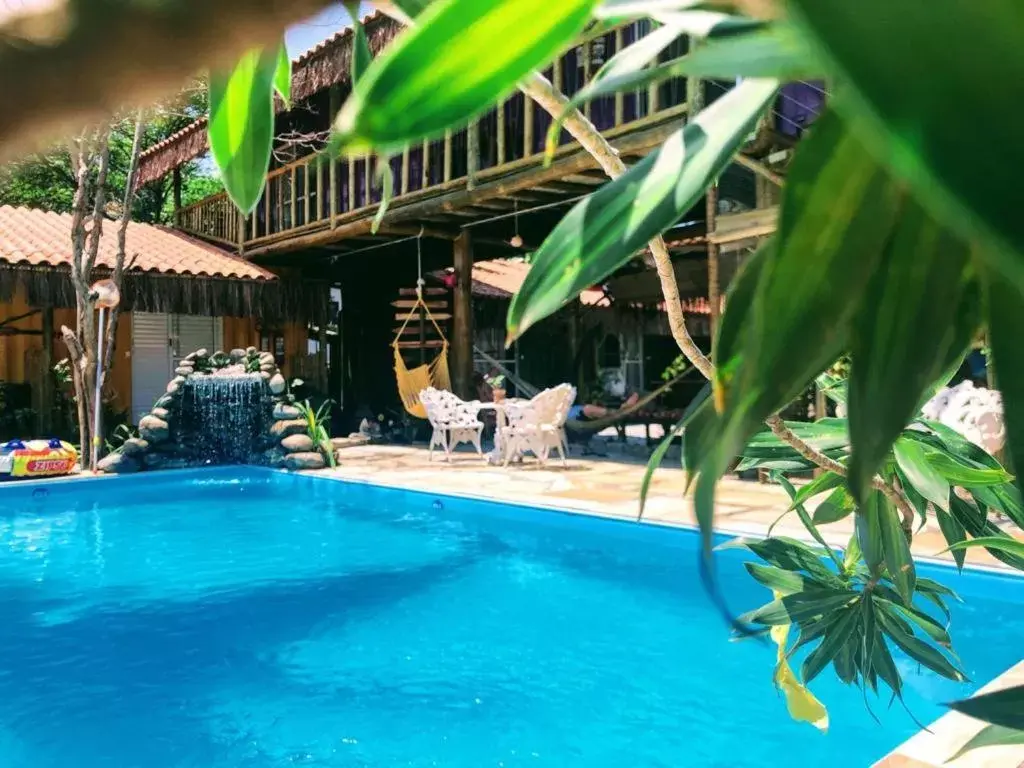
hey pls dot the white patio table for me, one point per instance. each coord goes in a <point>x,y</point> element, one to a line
<point>501,409</point>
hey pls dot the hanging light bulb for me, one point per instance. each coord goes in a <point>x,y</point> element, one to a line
<point>516,241</point>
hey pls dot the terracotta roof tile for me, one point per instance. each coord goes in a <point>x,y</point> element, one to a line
<point>39,238</point>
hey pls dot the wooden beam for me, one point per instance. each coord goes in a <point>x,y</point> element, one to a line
<point>425,175</point>
<point>620,97</point>
<point>500,113</point>
<point>462,316</point>
<point>527,126</point>
<point>351,184</point>
<point>760,169</point>
<point>733,227</point>
<point>448,155</point>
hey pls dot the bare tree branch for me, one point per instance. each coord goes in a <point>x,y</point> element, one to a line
<point>122,238</point>
<point>100,58</point>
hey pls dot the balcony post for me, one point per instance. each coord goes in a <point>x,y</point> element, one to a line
<point>472,152</point>
<point>462,316</point>
<point>335,105</point>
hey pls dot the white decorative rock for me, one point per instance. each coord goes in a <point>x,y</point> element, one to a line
<point>277,384</point>
<point>119,464</point>
<point>134,446</point>
<point>153,429</point>
<point>175,384</point>
<point>286,412</point>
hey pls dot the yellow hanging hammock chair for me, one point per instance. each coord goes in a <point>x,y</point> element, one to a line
<point>433,374</point>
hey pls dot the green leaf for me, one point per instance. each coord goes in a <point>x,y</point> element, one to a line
<point>953,533</point>
<point>1005,324</point>
<point>837,632</point>
<point>837,209</point>
<point>896,552</point>
<point>789,554</point>
<point>824,435</point>
<point>283,75</point>
<point>909,613</point>
<point>916,648</point>
<point>917,501</point>
<point>926,275</point>
<point>241,126</point>
<point>403,10</point>
<point>868,526</point>
<point>795,609</point>
<point>836,507</point>
<point>805,518</point>
<point>1008,545</point>
<point>1005,707</point>
<point>962,165</point>
<point>776,579</point>
<point>467,55</point>
<point>956,443</point>
<point>975,523</point>
<point>914,465</point>
<point>990,736</point>
<point>603,231</point>
<point>826,481</point>
<point>361,56</point>
<point>883,663</point>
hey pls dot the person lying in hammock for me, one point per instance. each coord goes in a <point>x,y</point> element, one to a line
<point>594,411</point>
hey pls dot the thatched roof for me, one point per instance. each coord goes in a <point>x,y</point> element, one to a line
<point>328,63</point>
<point>169,272</point>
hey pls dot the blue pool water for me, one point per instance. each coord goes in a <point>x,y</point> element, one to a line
<point>230,619</point>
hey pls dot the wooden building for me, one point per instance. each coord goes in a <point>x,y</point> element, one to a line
<point>480,194</point>
<point>178,294</point>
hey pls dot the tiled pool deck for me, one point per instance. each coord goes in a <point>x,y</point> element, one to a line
<point>612,488</point>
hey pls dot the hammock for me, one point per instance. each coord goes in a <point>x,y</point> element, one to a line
<point>433,374</point>
<point>597,425</point>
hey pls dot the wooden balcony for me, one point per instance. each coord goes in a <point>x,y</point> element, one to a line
<point>315,200</point>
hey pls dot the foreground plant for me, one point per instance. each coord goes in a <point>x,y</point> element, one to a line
<point>890,249</point>
<point>318,428</point>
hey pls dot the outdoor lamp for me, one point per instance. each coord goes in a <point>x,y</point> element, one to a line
<point>107,296</point>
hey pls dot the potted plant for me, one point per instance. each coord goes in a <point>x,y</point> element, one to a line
<point>496,382</point>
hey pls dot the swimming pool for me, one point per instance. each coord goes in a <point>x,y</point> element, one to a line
<point>248,619</point>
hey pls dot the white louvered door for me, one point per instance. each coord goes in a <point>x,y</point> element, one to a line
<point>151,360</point>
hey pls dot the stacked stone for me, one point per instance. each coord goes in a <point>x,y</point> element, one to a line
<point>287,442</point>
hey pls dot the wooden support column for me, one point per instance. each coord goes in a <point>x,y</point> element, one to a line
<point>462,317</point>
<point>240,218</point>
<point>334,96</point>
<point>176,193</point>
<point>46,388</point>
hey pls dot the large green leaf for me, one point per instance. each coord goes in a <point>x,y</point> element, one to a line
<point>283,75</point>
<point>953,532</point>
<point>458,60</point>
<point>962,162</point>
<point>837,209</point>
<point>602,232</point>
<point>823,435</point>
<point>361,56</point>
<point>1005,707</point>
<point>896,552</point>
<point>917,649</point>
<point>1008,545</point>
<point>836,507</point>
<point>241,126</point>
<point>799,607</point>
<point>776,579</point>
<point>868,526</point>
<point>927,480</point>
<point>805,518</point>
<point>991,736</point>
<point>837,631</point>
<point>1006,324</point>
<point>978,526</point>
<point>925,277</point>
<point>826,481</point>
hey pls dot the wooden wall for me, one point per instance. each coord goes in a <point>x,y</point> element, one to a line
<point>20,355</point>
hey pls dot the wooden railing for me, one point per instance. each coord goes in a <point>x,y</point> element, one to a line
<point>312,192</point>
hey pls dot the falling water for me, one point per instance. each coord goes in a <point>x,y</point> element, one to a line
<point>224,418</point>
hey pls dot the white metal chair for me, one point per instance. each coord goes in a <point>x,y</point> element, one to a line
<point>453,421</point>
<point>538,425</point>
